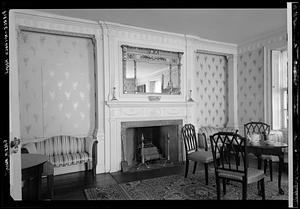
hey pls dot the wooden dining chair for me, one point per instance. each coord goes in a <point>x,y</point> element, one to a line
<point>232,164</point>
<point>193,152</point>
<point>262,129</point>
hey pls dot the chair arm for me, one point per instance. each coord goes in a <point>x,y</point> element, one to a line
<point>24,150</point>
<point>91,146</point>
<point>29,148</point>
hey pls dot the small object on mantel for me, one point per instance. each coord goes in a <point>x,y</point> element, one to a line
<point>154,98</point>
<point>114,94</point>
<point>190,97</point>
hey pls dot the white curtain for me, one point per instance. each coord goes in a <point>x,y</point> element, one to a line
<point>56,80</point>
<point>279,87</point>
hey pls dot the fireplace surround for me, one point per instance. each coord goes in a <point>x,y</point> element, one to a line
<point>122,115</point>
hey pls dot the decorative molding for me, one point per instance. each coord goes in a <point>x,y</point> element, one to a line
<point>100,136</point>
<point>197,43</point>
<point>142,34</point>
<point>147,112</point>
<point>33,19</point>
<point>266,39</point>
<point>124,104</point>
<point>172,111</point>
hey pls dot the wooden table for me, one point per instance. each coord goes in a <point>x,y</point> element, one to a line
<point>32,167</point>
<point>264,148</point>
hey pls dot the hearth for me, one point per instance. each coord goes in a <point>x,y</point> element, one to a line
<point>150,144</point>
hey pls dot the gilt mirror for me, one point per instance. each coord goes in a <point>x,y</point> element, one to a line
<point>151,71</point>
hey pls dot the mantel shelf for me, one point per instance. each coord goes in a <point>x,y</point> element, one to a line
<point>118,104</point>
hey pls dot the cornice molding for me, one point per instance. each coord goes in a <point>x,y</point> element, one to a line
<point>143,34</point>
<point>198,43</point>
<point>41,20</point>
<point>52,16</point>
<point>265,39</point>
<point>45,20</point>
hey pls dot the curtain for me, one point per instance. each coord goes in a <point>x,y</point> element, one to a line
<point>56,81</point>
<point>211,94</point>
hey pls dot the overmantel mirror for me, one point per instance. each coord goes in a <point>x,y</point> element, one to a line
<point>151,71</point>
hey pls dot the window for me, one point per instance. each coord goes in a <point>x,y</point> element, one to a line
<point>279,89</point>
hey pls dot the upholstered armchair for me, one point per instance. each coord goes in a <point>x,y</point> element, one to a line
<point>206,131</point>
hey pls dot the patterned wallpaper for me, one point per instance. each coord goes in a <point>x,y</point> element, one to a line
<point>211,90</point>
<point>56,85</point>
<point>250,86</point>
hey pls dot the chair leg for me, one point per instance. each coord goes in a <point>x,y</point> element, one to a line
<point>238,160</point>
<point>195,166</point>
<point>244,190</point>
<point>265,166</point>
<point>94,171</point>
<point>50,185</point>
<point>86,170</point>
<point>224,186</point>
<point>218,187</point>
<point>206,173</point>
<point>271,173</point>
<point>262,185</point>
<point>186,168</point>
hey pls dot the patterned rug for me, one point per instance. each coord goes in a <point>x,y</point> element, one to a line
<point>176,187</point>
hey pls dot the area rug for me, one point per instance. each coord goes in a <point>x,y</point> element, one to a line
<point>176,187</point>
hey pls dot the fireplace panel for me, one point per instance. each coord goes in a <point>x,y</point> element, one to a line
<point>161,143</point>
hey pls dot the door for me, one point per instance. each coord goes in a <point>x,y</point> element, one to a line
<point>14,119</point>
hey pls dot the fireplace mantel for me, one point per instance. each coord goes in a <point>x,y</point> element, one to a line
<point>148,110</point>
<point>118,112</point>
<point>118,104</point>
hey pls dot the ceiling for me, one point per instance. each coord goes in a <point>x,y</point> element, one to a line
<point>225,25</point>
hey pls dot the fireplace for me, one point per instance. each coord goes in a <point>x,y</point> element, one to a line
<point>150,144</point>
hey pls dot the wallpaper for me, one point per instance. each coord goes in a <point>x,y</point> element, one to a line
<point>250,84</point>
<point>211,90</point>
<point>56,81</point>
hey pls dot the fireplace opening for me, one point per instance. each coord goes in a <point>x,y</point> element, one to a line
<point>153,145</point>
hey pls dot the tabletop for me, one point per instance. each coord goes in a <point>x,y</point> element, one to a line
<point>31,160</point>
<point>267,144</point>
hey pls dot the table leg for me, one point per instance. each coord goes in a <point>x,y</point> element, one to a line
<point>258,161</point>
<point>39,181</point>
<point>281,157</point>
<point>259,167</point>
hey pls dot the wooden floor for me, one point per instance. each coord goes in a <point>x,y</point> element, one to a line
<point>71,186</point>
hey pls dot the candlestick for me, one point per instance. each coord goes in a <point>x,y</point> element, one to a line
<point>190,97</point>
<point>113,94</point>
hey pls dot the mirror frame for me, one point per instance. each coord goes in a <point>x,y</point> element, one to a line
<point>156,56</point>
